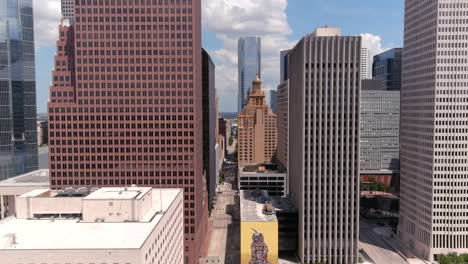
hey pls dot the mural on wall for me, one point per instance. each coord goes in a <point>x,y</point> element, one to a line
<point>259,249</point>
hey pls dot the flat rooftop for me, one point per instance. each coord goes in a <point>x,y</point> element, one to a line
<point>283,204</point>
<point>118,193</point>
<point>34,178</point>
<point>261,169</point>
<point>251,207</point>
<point>24,183</point>
<point>24,234</point>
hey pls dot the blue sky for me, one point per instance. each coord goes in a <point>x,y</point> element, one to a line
<point>280,23</point>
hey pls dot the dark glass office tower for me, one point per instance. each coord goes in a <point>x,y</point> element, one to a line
<point>249,66</point>
<point>18,134</point>
<point>387,67</point>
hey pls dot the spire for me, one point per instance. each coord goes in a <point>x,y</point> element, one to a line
<point>257,83</point>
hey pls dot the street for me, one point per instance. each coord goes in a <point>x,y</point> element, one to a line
<point>223,225</point>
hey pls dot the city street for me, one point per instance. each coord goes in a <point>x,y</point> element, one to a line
<point>224,240</point>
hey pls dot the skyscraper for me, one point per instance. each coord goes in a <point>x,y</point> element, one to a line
<point>366,64</point>
<point>387,67</point>
<point>434,129</point>
<point>284,67</point>
<point>323,155</point>
<point>257,129</point>
<point>126,102</point>
<point>18,131</point>
<point>249,66</point>
<point>209,124</point>
<point>282,115</point>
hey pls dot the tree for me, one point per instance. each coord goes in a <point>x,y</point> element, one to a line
<point>453,258</point>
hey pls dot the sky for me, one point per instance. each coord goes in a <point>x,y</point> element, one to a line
<point>280,24</point>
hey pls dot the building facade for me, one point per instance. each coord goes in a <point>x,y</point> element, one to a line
<point>274,101</point>
<point>380,127</point>
<point>434,125</point>
<point>284,67</point>
<point>18,131</point>
<point>249,66</point>
<point>265,177</point>
<point>387,67</point>
<point>209,125</point>
<point>68,9</point>
<point>256,129</point>
<point>135,226</point>
<point>366,64</point>
<point>282,125</point>
<point>324,75</point>
<point>42,133</point>
<point>126,103</point>
<point>258,228</point>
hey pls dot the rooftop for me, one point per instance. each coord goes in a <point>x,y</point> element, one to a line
<point>25,182</point>
<point>252,207</point>
<point>283,204</point>
<point>38,177</point>
<point>118,193</point>
<point>18,234</point>
<point>326,31</point>
<point>260,169</point>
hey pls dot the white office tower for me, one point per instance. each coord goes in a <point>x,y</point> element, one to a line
<point>111,225</point>
<point>68,10</point>
<point>366,64</point>
<point>434,128</point>
<point>323,158</point>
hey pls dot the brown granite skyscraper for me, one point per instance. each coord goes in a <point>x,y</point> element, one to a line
<point>126,102</point>
<point>257,129</point>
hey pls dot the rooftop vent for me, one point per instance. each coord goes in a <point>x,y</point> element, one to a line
<point>268,208</point>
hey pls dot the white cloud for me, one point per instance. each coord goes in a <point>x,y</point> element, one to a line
<point>231,19</point>
<point>373,43</point>
<point>46,22</point>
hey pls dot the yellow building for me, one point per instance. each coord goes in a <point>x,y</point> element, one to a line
<point>256,129</point>
<point>259,229</point>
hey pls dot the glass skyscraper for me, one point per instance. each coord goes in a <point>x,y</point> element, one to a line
<point>249,57</point>
<point>387,67</point>
<point>18,132</point>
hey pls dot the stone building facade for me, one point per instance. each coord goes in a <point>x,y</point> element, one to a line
<point>257,129</point>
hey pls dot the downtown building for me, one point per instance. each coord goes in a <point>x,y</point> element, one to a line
<point>209,126</point>
<point>387,67</point>
<point>18,131</point>
<point>380,133</point>
<point>434,129</point>
<point>366,64</point>
<point>119,225</point>
<point>380,120</point>
<point>257,129</point>
<point>249,66</point>
<point>324,87</point>
<point>126,103</point>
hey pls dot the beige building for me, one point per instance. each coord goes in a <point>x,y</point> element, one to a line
<point>111,225</point>
<point>16,186</point>
<point>323,147</point>
<point>256,129</point>
<point>434,129</point>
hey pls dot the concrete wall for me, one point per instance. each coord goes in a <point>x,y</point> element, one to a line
<point>26,207</point>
